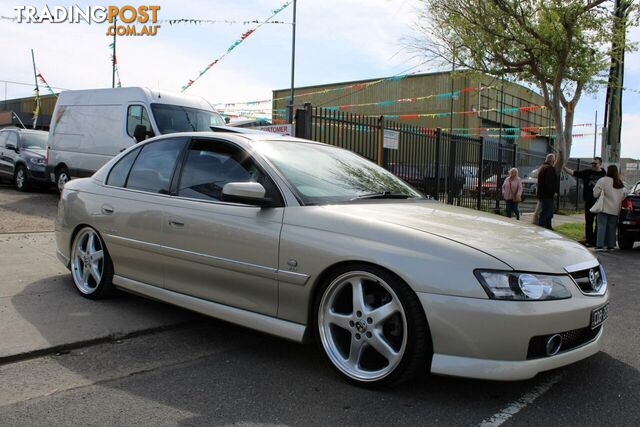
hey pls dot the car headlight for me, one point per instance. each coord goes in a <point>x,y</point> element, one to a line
<point>511,285</point>
<point>37,160</point>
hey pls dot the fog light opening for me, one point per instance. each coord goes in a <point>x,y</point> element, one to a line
<point>554,342</point>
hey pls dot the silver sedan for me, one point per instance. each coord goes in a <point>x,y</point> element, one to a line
<point>311,242</point>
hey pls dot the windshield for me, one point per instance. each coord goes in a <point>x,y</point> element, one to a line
<point>323,174</point>
<point>175,118</point>
<point>33,141</point>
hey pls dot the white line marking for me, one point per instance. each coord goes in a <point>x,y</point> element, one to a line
<point>518,405</point>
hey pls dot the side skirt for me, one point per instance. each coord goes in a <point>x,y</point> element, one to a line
<point>260,322</point>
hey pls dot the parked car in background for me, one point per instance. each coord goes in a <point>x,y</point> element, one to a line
<point>89,127</point>
<point>22,157</point>
<point>568,184</point>
<point>409,174</point>
<point>629,219</point>
<point>309,241</point>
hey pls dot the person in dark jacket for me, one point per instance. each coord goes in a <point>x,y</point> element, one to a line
<point>547,183</point>
<point>590,177</point>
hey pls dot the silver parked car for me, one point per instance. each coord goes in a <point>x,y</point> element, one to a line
<point>309,241</point>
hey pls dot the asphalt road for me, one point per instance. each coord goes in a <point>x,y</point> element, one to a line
<point>131,361</point>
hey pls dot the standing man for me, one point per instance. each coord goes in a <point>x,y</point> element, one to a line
<point>547,182</point>
<point>590,177</point>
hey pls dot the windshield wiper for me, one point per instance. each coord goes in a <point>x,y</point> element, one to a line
<point>383,195</point>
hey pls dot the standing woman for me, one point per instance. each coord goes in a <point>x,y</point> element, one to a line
<point>512,192</point>
<point>612,190</point>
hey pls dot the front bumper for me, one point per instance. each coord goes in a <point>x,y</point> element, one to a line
<point>489,339</point>
<point>504,370</point>
<point>37,174</point>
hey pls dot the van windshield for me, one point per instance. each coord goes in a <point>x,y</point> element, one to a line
<point>175,118</point>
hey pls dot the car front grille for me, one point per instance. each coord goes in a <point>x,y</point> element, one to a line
<point>570,340</point>
<point>590,281</point>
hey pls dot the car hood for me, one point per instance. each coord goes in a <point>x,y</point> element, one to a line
<point>31,152</point>
<point>520,245</point>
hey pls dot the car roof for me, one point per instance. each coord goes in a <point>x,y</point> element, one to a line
<point>249,136</point>
<point>13,128</point>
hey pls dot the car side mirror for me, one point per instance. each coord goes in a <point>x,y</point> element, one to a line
<point>11,147</point>
<point>249,193</point>
<point>140,133</point>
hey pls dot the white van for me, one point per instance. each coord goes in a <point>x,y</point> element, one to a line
<point>89,127</point>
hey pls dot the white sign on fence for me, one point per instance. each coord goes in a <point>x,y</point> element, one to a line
<point>632,166</point>
<point>390,139</point>
<point>279,129</point>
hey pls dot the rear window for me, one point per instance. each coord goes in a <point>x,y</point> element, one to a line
<point>153,169</point>
<point>118,174</point>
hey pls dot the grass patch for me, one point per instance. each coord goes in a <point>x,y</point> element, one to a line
<point>573,230</point>
<point>568,212</point>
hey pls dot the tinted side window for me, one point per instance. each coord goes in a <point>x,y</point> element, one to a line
<point>118,174</point>
<point>209,165</point>
<point>12,138</point>
<point>137,116</point>
<point>154,167</point>
<point>3,138</point>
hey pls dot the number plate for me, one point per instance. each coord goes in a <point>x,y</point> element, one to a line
<point>599,315</point>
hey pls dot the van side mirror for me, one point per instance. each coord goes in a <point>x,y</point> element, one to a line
<point>11,147</point>
<point>140,133</point>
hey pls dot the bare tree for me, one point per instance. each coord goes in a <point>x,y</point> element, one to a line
<point>561,47</point>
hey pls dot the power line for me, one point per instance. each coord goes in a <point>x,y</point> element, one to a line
<point>29,84</point>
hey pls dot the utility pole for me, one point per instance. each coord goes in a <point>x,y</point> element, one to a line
<point>595,135</point>
<point>293,64</point>
<point>36,112</point>
<point>113,58</point>
<point>613,107</point>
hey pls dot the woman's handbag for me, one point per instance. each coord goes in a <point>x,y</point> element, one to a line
<point>598,206</point>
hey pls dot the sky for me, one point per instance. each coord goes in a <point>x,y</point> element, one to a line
<point>336,40</point>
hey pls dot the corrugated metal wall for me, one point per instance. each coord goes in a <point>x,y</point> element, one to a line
<point>424,85</point>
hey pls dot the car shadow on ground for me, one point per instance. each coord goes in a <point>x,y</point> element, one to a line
<point>236,375</point>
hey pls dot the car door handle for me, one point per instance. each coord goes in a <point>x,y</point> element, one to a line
<point>176,224</point>
<point>107,210</point>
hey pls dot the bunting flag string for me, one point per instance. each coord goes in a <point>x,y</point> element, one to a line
<point>215,21</point>
<point>44,82</point>
<point>355,86</point>
<point>444,95</point>
<point>242,38</point>
<point>415,116</point>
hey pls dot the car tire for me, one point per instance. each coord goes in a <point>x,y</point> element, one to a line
<point>377,340</point>
<point>20,179</point>
<point>625,242</point>
<point>91,266</point>
<point>62,177</point>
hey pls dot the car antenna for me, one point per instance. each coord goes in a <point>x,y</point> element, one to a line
<point>16,116</point>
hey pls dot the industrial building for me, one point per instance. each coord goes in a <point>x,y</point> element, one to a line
<point>18,111</point>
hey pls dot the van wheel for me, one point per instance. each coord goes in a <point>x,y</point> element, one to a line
<point>20,179</point>
<point>62,177</point>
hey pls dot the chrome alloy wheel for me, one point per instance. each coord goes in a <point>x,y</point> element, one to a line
<point>63,178</point>
<point>87,261</point>
<point>362,326</point>
<point>21,177</point>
